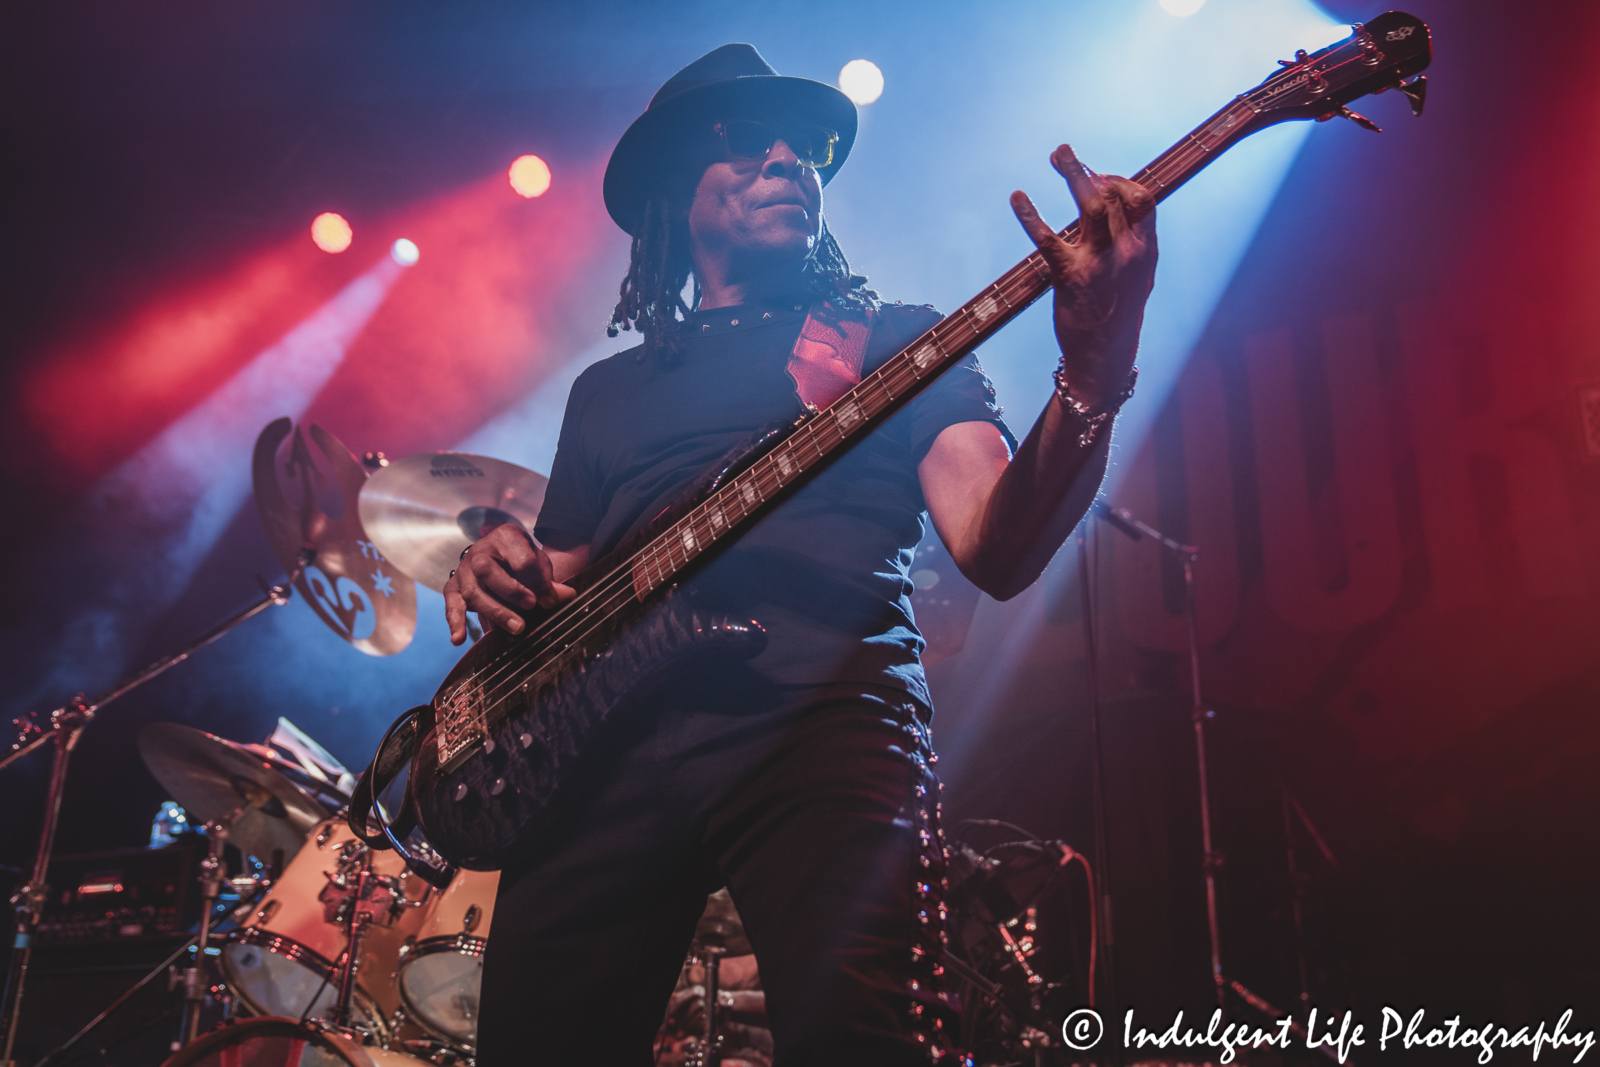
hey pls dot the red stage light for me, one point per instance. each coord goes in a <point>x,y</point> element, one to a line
<point>330,232</point>
<point>530,176</point>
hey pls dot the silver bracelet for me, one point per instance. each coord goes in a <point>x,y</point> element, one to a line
<point>1093,419</point>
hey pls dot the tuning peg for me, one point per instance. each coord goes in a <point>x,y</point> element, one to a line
<point>1416,91</point>
<point>1354,116</point>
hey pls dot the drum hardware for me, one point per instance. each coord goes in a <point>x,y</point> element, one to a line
<point>1015,937</point>
<point>437,1052</point>
<point>357,913</point>
<point>323,944</point>
<point>65,726</point>
<point>719,933</point>
<point>211,875</point>
<point>358,897</point>
<point>710,1052</point>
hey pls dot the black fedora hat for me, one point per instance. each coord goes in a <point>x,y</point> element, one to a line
<point>733,77</point>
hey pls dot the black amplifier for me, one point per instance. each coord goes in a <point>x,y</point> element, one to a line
<point>117,896</point>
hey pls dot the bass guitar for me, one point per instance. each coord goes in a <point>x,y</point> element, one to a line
<point>519,711</point>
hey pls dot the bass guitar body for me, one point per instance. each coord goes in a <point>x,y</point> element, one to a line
<point>478,807</point>
<point>519,712</point>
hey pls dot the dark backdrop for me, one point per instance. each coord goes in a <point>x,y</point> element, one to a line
<point>1377,441</point>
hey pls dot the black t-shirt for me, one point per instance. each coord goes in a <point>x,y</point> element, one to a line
<point>826,572</point>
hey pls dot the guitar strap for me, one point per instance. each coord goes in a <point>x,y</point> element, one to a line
<point>827,358</point>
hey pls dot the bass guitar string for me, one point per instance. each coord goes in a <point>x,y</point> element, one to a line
<point>560,627</point>
<point>608,588</point>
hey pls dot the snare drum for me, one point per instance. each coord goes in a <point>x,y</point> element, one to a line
<point>441,972</point>
<point>283,960</point>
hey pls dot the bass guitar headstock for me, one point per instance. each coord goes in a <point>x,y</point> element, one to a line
<point>1380,55</point>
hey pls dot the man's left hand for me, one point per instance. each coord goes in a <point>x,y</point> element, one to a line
<point>1102,278</point>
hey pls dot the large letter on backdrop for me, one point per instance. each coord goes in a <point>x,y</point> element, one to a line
<point>1363,510</point>
<point>1208,494</point>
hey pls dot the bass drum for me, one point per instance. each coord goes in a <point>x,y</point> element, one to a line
<point>272,1041</point>
<point>283,960</point>
<point>441,972</point>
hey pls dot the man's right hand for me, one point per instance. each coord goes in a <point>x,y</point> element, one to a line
<point>502,574</point>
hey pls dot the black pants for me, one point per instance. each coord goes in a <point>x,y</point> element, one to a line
<point>816,807</point>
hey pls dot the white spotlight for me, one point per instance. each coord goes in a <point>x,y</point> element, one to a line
<point>862,81</point>
<point>404,252</point>
<point>1182,8</point>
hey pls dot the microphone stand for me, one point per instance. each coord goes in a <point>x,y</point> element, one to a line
<point>1100,894</point>
<point>66,726</point>
<point>1135,529</point>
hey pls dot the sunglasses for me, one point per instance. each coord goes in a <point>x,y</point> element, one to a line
<point>749,139</point>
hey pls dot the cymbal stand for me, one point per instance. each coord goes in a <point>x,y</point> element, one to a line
<point>356,919</point>
<point>711,958</point>
<point>66,725</point>
<point>211,874</point>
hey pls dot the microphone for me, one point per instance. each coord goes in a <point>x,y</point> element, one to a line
<point>1120,518</point>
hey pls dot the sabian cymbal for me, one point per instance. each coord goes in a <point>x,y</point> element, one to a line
<point>422,510</point>
<point>219,781</point>
<point>721,927</point>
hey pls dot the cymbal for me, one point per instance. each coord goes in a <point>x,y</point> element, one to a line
<point>223,782</point>
<point>721,927</point>
<point>353,590</point>
<point>422,510</point>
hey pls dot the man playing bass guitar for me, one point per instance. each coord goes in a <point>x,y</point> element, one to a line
<point>799,778</point>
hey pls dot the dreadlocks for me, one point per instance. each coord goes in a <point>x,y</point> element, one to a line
<point>652,291</point>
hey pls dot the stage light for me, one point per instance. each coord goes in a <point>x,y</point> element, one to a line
<point>1182,8</point>
<point>861,81</point>
<point>404,252</point>
<point>530,176</point>
<point>330,232</point>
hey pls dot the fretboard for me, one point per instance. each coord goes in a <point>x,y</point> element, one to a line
<point>823,436</point>
<point>473,703</point>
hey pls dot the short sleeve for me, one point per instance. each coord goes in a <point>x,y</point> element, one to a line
<point>572,498</point>
<point>961,394</point>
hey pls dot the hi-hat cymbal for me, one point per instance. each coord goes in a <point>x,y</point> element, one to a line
<point>422,510</point>
<point>721,927</point>
<point>219,781</point>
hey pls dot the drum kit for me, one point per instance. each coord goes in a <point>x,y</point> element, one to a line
<point>340,951</point>
<point>329,935</point>
<point>336,953</point>
<point>335,945</point>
